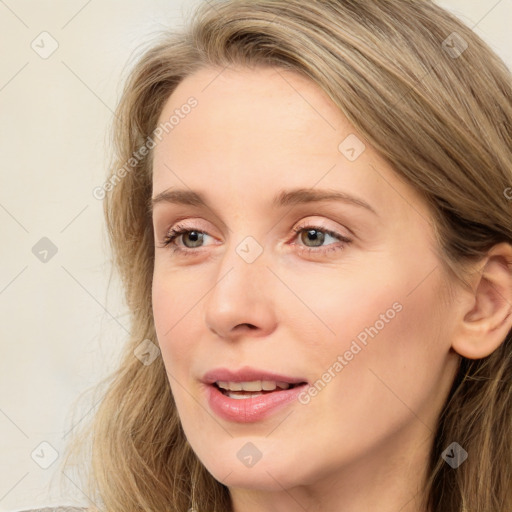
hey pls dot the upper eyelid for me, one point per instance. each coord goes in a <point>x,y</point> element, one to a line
<point>301,226</point>
<point>195,225</point>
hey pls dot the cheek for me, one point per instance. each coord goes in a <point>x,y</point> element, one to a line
<point>175,329</point>
<point>172,313</point>
<point>393,365</point>
<point>357,305</point>
<point>379,332</point>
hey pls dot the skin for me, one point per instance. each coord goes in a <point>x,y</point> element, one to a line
<point>362,443</point>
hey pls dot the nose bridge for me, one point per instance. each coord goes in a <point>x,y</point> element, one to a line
<point>241,293</point>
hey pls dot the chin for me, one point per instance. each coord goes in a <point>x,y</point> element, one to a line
<point>270,473</point>
<point>255,479</point>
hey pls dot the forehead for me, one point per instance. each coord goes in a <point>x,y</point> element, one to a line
<point>251,88</point>
<point>252,108</point>
<point>249,119</point>
<point>261,130</point>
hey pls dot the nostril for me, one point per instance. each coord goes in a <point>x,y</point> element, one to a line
<point>249,326</point>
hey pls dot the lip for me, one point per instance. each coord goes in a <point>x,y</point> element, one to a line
<point>250,410</point>
<point>253,409</point>
<point>247,374</point>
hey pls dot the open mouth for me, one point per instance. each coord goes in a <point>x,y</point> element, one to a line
<point>249,394</point>
<point>243,390</point>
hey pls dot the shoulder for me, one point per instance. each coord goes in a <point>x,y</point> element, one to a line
<point>56,509</point>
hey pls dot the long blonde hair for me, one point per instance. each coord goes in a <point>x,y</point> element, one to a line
<point>436,102</point>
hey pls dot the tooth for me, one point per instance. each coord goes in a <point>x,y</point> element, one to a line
<point>252,386</point>
<point>242,397</point>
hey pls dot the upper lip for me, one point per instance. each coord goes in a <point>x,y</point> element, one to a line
<point>247,374</point>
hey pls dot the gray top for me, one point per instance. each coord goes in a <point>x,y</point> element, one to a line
<point>56,509</point>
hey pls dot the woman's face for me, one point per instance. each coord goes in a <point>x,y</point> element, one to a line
<point>271,284</point>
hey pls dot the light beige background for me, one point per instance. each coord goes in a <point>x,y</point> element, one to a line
<point>59,331</point>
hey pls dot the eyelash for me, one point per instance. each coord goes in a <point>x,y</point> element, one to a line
<point>174,233</point>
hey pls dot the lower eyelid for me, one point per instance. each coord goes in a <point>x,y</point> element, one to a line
<point>339,245</point>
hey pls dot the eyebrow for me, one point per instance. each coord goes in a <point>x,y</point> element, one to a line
<point>282,199</point>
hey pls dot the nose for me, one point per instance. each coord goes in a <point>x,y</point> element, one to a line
<point>241,302</point>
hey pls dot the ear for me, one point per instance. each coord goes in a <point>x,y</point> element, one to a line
<point>486,314</point>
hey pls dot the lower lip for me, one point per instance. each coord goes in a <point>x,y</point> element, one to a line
<point>248,410</point>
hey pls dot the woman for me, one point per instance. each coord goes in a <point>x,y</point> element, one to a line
<point>308,208</point>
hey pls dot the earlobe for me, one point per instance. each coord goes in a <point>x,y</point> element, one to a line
<point>486,317</point>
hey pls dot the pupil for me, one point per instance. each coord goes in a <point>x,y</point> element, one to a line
<point>313,235</point>
<point>195,236</point>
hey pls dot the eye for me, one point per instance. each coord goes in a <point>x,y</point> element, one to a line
<point>193,239</point>
<point>316,236</point>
